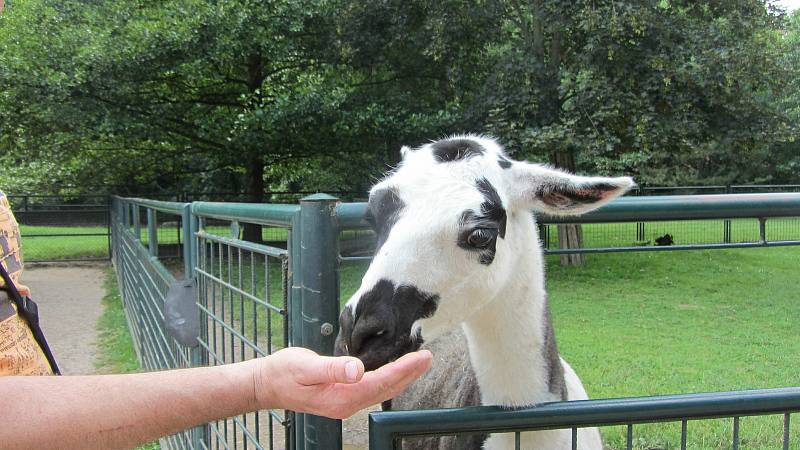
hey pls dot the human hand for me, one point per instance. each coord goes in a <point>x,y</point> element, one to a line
<point>298,379</point>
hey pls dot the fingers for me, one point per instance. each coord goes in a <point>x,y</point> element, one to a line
<point>329,370</point>
<point>390,380</point>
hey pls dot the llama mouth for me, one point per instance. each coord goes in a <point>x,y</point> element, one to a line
<point>379,328</point>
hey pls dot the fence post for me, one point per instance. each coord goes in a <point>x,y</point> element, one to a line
<point>109,213</point>
<point>152,232</point>
<point>137,222</point>
<point>126,214</point>
<point>318,283</point>
<point>189,225</point>
<point>297,439</point>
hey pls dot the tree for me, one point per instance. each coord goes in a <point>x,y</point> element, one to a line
<point>667,92</point>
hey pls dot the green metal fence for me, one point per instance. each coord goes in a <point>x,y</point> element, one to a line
<point>245,294</point>
<point>254,298</point>
<point>144,281</point>
<point>387,430</point>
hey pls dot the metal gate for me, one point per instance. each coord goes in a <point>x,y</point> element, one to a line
<point>246,293</point>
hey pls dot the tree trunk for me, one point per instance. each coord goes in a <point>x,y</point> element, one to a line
<point>254,165</point>
<point>254,180</point>
<point>569,235</point>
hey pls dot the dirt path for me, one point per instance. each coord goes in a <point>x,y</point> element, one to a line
<point>69,300</point>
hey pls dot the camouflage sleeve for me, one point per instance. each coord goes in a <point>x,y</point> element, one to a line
<point>10,244</point>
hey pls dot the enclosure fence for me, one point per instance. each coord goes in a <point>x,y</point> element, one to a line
<point>77,227</point>
<point>250,298</point>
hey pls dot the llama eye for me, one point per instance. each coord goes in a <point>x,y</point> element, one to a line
<point>481,237</point>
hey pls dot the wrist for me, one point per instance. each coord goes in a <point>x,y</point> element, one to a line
<point>260,395</point>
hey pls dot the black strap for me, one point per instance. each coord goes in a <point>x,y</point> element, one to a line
<point>30,312</point>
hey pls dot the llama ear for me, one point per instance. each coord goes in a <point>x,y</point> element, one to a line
<point>560,193</point>
<point>404,151</point>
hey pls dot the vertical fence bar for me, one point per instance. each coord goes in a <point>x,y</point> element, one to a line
<point>629,438</point>
<point>683,434</point>
<point>152,232</point>
<point>319,292</point>
<point>726,231</point>
<point>126,213</point>
<point>137,222</point>
<point>295,309</point>
<point>189,224</point>
<point>786,431</point>
<point>109,213</point>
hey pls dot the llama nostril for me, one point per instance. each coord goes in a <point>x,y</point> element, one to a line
<point>365,336</point>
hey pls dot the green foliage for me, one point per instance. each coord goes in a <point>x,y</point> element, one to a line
<point>671,92</point>
<point>233,95</point>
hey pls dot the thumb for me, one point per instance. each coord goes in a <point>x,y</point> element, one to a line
<point>326,369</point>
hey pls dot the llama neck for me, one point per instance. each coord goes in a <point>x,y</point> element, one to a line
<point>510,343</point>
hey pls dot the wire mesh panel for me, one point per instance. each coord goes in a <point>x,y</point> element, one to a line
<point>242,296</point>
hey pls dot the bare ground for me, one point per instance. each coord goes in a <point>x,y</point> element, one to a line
<point>69,299</point>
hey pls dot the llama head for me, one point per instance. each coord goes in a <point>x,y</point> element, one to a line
<point>451,223</point>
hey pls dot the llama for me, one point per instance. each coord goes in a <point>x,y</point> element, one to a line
<point>457,267</point>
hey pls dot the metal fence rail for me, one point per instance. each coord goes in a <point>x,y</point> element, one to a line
<point>387,430</point>
<point>77,227</point>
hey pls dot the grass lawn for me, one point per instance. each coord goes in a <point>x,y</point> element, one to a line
<point>639,324</point>
<point>43,243</point>
<point>677,322</point>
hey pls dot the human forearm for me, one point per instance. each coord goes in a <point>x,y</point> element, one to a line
<point>118,411</point>
<point>121,411</point>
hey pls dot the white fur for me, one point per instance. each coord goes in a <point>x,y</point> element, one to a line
<point>500,306</point>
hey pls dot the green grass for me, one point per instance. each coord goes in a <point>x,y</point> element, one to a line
<point>39,243</point>
<point>663,323</point>
<point>114,343</point>
<point>640,324</point>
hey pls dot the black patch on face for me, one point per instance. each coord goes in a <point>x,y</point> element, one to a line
<point>503,162</point>
<point>380,332</point>
<point>383,210</point>
<point>492,208</point>
<point>491,219</point>
<point>567,196</point>
<point>456,150</point>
